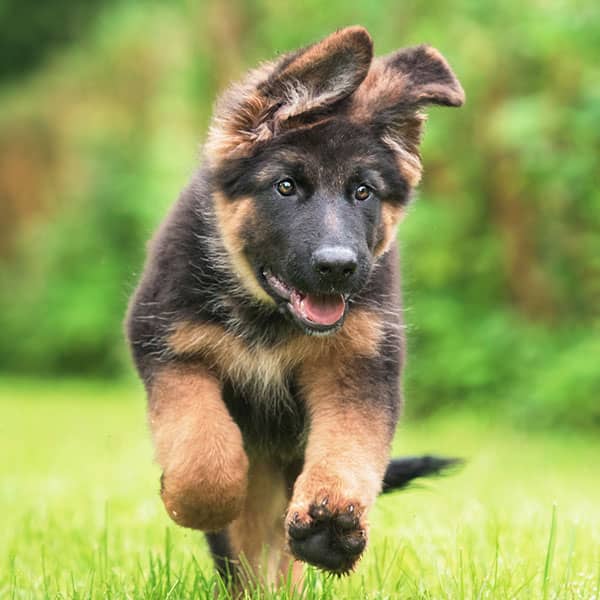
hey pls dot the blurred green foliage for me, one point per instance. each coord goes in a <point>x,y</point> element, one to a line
<point>30,31</point>
<point>501,251</point>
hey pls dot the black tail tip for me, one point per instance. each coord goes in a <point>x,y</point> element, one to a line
<point>401,471</point>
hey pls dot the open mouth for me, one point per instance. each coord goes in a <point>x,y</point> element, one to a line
<point>319,313</point>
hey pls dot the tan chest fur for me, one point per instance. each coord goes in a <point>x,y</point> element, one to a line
<point>266,368</point>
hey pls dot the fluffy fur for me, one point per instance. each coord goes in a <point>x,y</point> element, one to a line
<point>267,324</point>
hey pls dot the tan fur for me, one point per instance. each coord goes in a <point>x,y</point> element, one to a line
<point>391,215</point>
<point>267,366</point>
<point>257,535</point>
<point>404,140</point>
<point>232,216</point>
<point>199,448</point>
<point>348,444</point>
<point>239,120</point>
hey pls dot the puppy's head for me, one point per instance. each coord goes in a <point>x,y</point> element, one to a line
<point>313,159</point>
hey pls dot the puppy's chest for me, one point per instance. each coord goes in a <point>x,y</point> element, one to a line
<point>263,370</point>
<point>258,383</point>
<point>273,422</point>
<point>257,368</point>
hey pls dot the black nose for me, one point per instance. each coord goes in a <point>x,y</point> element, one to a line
<point>335,263</point>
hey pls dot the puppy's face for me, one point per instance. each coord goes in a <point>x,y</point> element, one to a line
<point>313,160</point>
<point>313,223</point>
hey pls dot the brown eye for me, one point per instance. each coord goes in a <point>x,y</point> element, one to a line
<point>286,187</point>
<point>362,192</point>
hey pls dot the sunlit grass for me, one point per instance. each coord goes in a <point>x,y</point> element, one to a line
<point>81,517</point>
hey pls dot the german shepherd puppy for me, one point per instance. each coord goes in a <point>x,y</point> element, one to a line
<point>266,327</point>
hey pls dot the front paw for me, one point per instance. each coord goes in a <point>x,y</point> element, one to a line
<point>331,536</point>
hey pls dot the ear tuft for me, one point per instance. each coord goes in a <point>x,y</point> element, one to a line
<point>293,91</point>
<point>405,81</point>
<point>344,56</point>
<point>316,77</point>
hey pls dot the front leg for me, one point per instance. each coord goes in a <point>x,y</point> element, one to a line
<point>353,415</point>
<point>199,448</point>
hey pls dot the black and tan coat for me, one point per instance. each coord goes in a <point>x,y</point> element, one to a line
<point>266,326</point>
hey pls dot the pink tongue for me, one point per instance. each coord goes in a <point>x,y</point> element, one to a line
<point>324,310</point>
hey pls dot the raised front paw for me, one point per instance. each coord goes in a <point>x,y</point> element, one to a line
<point>331,537</point>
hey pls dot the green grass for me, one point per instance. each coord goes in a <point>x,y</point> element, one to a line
<point>81,517</point>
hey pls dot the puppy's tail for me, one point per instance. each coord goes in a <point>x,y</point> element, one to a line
<point>401,471</point>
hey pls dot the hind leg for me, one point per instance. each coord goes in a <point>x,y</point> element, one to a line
<point>199,448</point>
<point>252,550</point>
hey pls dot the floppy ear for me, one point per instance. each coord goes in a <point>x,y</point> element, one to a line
<point>291,91</point>
<point>428,78</point>
<point>392,95</point>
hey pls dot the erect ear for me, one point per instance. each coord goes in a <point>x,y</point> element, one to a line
<point>294,90</point>
<point>322,74</point>
<point>393,93</point>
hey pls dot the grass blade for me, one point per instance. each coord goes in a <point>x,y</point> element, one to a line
<point>549,555</point>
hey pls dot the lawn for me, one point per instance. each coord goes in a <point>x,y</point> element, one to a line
<point>81,516</point>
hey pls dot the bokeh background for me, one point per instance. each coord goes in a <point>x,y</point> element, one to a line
<point>103,106</point>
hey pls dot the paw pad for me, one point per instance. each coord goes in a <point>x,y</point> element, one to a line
<point>331,539</point>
